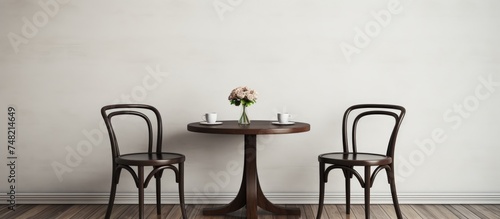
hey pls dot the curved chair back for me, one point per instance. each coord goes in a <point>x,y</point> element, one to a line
<point>110,111</point>
<point>367,110</point>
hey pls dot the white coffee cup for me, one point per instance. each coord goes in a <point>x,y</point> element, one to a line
<point>210,118</point>
<point>283,117</point>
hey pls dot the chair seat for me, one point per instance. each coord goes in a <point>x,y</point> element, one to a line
<point>150,159</point>
<point>355,159</point>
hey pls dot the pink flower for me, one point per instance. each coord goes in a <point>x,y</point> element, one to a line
<point>243,95</point>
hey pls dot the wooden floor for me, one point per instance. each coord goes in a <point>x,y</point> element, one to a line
<point>194,211</point>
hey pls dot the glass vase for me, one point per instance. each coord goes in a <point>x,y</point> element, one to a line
<point>244,118</point>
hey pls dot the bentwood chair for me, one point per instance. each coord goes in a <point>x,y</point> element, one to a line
<point>349,159</point>
<point>157,159</point>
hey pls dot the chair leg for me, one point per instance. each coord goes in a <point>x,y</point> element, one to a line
<point>367,191</point>
<point>392,182</point>
<point>112,194</point>
<point>347,192</point>
<point>141,191</point>
<point>321,189</point>
<point>181,190</point>
<point>158,193</point>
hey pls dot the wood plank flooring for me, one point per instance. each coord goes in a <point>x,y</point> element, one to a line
<point>308,211</point>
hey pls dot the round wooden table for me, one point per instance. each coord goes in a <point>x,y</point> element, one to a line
<point>250,193</point>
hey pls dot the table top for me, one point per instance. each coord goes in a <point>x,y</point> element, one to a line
<point>256,127</point>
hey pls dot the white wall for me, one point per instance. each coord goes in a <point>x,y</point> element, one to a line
<point>61,61</point>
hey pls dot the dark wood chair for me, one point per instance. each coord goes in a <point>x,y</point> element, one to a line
<point>348,160</point>
<point>157,159</point>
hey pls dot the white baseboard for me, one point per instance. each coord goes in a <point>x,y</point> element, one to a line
<point>278,198</point>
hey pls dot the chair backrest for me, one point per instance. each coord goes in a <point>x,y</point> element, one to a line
<point>110,111</point>
<point>355,113</point>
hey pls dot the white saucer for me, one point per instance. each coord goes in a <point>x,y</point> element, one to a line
<point>206,123</point>
<point>278,123</point>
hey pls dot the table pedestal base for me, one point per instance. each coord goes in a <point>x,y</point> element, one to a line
<point>250,194</point>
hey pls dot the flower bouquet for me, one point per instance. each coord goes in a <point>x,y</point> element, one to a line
<point>245,97</point>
